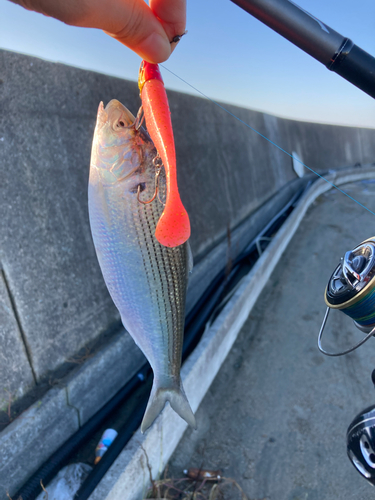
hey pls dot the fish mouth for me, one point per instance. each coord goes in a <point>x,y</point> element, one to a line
<point>119,115</point>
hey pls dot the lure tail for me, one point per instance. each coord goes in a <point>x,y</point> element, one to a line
<point>173,227</point>
<point>160,394</point>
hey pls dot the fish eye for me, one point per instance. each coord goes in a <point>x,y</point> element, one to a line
<point>119,124</point>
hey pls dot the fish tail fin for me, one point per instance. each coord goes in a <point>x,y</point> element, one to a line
<point>160,394</point>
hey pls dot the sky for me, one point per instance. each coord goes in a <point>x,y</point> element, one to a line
<point>227,54</point>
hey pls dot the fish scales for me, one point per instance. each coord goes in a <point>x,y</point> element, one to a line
<point>147,281</point>
<point>165,269</point>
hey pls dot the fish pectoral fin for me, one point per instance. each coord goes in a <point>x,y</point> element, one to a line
<point>159,396</point>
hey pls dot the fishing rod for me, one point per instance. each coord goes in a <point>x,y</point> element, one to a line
<point>336,52</point>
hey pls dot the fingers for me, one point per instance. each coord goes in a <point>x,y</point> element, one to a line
<point>172,15</point>
<point>146,30</point>
<point>137,27</point>
<point>69,11</point>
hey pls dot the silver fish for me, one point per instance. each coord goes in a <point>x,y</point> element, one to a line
<point>147,281</point>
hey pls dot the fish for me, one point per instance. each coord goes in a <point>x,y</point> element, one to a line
<point>173,227</point>
<point>147,281</point>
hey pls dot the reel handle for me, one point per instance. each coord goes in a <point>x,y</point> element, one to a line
<point>333,354</point>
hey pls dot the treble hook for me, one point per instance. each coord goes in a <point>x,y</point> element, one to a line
<point>157,164</point>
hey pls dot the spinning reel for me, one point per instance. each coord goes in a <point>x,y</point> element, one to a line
<point>351,289</point>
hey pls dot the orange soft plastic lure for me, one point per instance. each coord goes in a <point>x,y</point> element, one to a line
<point>173,227</point>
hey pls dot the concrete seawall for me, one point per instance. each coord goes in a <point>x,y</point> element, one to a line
<point>53,300</point>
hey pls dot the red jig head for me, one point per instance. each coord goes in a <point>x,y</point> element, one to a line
<point>173,227</point>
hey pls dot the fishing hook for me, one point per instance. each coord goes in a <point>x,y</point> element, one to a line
<point>139,119</point>
<point>161,201</point>
<point>157,164</point>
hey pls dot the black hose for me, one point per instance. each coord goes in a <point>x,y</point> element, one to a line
<point>60,458</point>
<point>124,435</point>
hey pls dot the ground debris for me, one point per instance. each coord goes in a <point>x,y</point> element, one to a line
<point>206,487</point>
<point>43,488</point>
<point>45,491</point>
<point>198,484</point>
<point>10,498</point>
<point>81,358</point>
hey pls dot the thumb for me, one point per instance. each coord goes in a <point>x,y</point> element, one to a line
<point>132,23</point>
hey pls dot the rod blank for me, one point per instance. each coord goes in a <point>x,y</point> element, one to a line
<point>337,53</point>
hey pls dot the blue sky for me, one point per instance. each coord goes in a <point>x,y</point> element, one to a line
<point>227,54</point>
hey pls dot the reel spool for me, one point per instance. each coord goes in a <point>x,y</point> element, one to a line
<point>351,289</point>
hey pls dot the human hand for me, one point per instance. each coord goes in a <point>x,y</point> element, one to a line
<point>147,30</point>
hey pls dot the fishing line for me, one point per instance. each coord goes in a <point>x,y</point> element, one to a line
<point>269,140</point>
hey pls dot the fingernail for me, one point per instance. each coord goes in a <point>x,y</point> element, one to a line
<point>156,48</point>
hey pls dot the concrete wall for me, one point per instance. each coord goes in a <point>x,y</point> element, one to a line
<point>53,301</point>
